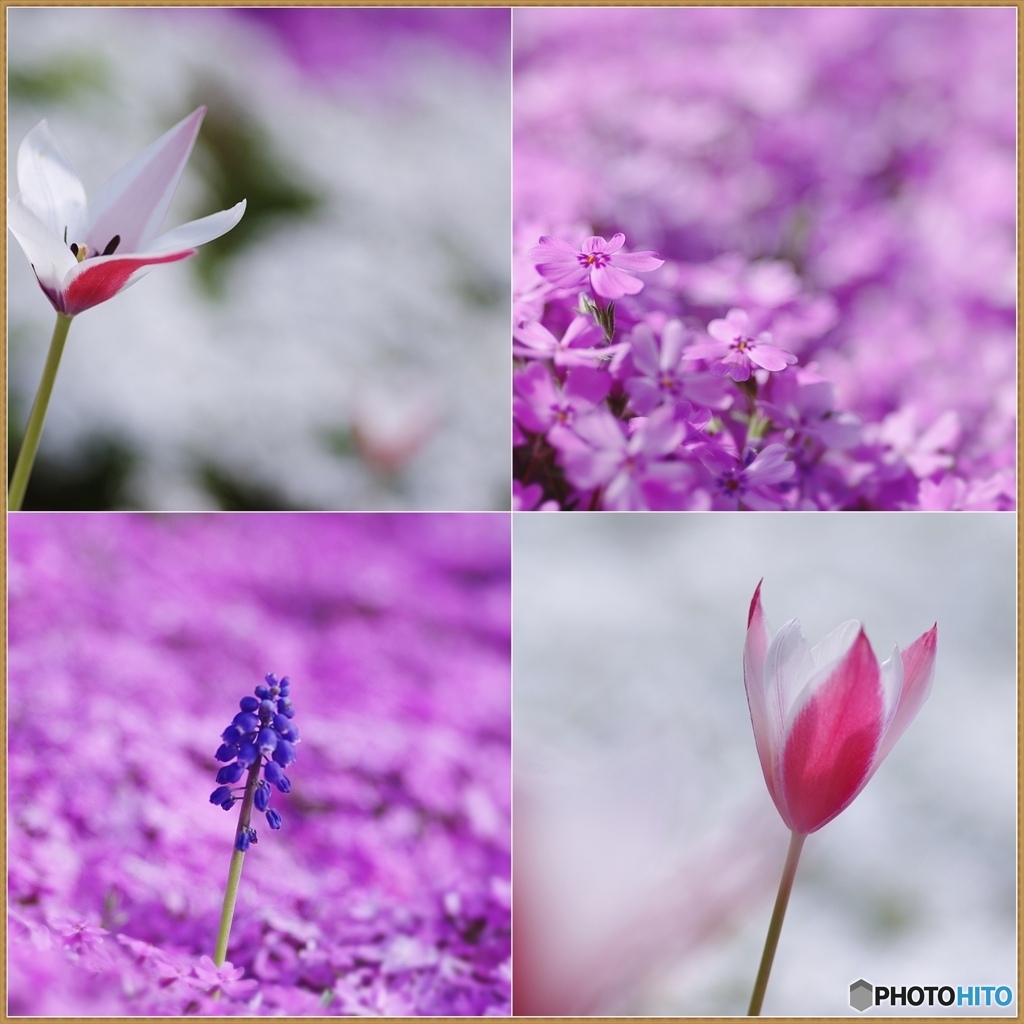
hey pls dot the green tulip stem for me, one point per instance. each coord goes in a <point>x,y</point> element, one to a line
<point>796,844</point>
<point>34,429</point>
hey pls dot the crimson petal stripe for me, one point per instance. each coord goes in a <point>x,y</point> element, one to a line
<point>831,745</point>
<point>103,281</point>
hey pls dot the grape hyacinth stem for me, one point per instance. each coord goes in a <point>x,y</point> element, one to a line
<point>235,870</point>
<point>34,428</point>
<point>796,844</point>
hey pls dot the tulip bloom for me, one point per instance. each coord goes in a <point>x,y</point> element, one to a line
<point>84,253</point>
<point>826,717</point>
<point>824,720</point>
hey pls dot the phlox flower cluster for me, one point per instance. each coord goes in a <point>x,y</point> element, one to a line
<point>764,258</point>
<point>387,890</point>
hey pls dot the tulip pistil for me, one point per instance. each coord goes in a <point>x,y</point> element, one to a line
<point>80,251</point>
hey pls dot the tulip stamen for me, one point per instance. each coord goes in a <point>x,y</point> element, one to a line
<point>80,251</point>
<point>112,246</point>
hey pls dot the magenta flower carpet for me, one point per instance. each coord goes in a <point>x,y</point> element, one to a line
<point>765,258</point>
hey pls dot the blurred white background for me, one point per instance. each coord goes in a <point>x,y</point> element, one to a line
<point>647,849</point>
<point>352,351</point>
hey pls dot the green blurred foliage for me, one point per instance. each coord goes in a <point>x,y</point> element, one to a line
<point>96,477</point>
<point>234,493</point>
<point>66,78</point>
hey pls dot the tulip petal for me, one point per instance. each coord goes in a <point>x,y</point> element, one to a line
<point>50,187</point>
<point>831,744</point>
<point>891,676</point>
<point>788,669</point>
<point>97,280</point>
<point>51,259</point>
<point>918,670</point>
<point>835,646</point>
<point>197,232</point>
<point>755,650</point>
<point>134,202</point>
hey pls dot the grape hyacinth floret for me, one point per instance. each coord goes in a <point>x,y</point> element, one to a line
<point>261,736</point>
<point>263,728</point>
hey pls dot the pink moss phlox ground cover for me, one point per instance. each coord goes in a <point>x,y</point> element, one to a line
<point>832,192</point>
<point>130,638</point>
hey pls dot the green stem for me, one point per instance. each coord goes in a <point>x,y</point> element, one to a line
<point>30,443</point>
<point>796,844</point>
<point>235,870</point>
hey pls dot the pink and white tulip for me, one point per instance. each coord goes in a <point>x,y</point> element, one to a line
<point>85,252</point>
<point>825,717</point>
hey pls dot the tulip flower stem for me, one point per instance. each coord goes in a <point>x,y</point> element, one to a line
<point>34,428</point>
<point>796,844</point>
<point>227,913</point>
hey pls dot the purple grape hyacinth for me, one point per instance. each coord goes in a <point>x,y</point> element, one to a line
<point>262,729</point>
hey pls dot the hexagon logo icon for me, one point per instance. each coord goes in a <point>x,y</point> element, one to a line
<point>861,995</point>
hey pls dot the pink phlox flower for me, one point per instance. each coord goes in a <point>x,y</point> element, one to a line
<point>801,403</point>
<point>801,321</point>
<point>169,972</point>
<point>730,279</point>
<point>750,481</point>
<point>696,421</point>
<point>78,934</point>
<point>733,351</point>
<point>529,499</point>
<point>541,401</point>
<point>40,936</point>
<point>826,717</point>
<point>71,243</point>
<point>145,952</point>
<point>529,289</point>
<point>534,341</point>
<point>227,978</point>
<point>659,378</point>
<point>597,262</point>
<point>952,493</point>
<point>630,467</point>
<point>924,449</point>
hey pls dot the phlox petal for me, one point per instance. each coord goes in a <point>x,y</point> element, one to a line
<point>612,283</point>
<point>770,358</point>
<point>595,243</point>
<point>637,262</point>
<point>644,350</point>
